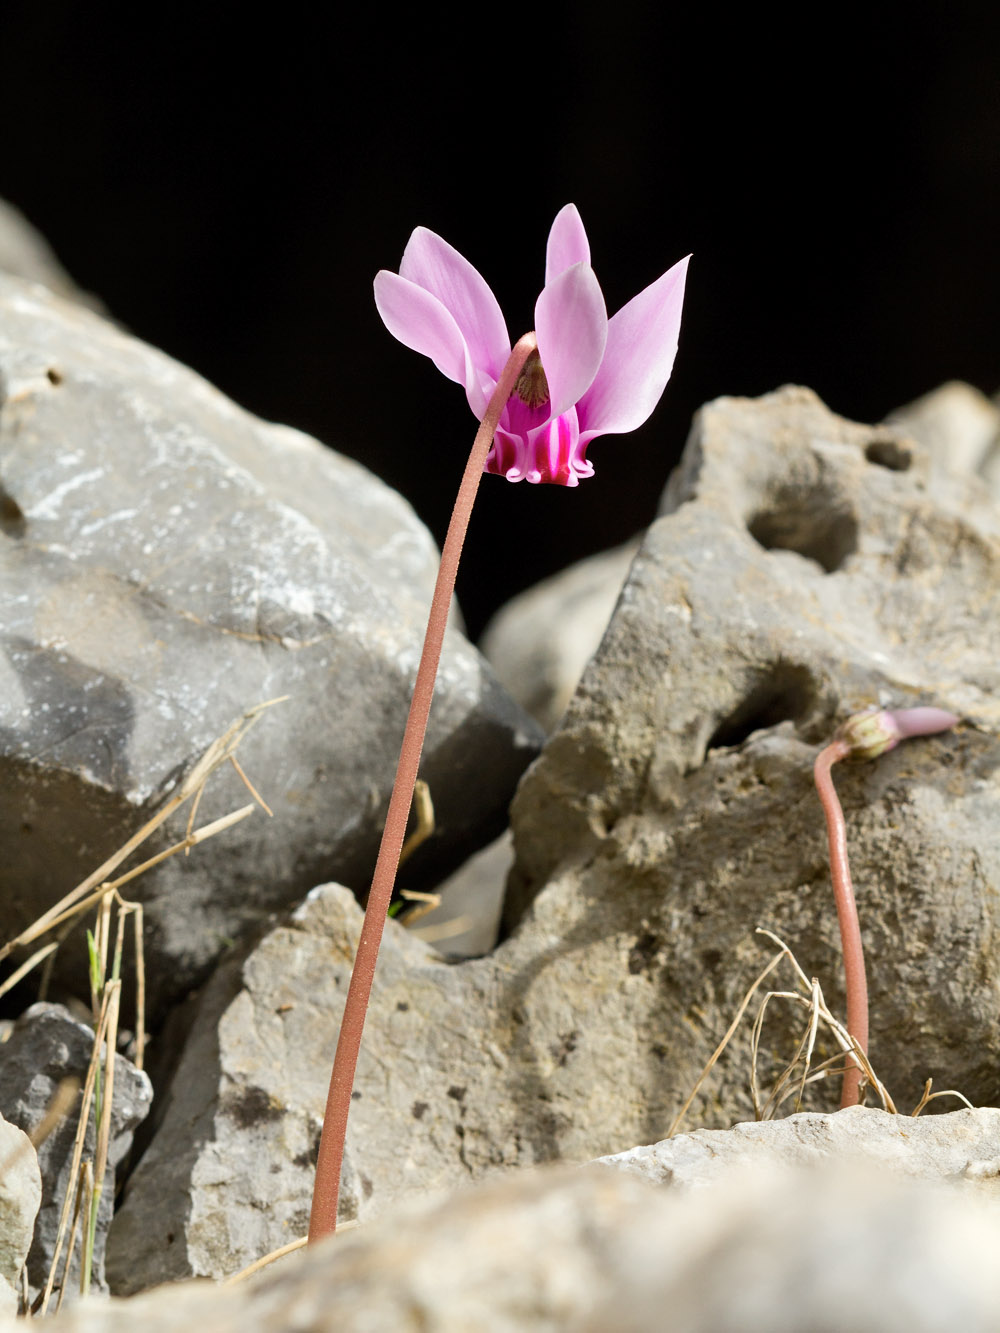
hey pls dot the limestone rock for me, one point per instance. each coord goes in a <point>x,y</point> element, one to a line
<point>540,642</point>
<point>25,253</point>
<point>808,567</point>
<point>962,1147</point>
<point>467,922</point>
<point>839,1250</point>
<point>20,1195</point>
<point>47,1045</point>
<point>958,425</point>
<point>805,568</point>
<point>168,561</point>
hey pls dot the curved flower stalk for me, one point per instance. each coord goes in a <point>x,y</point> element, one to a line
<point>590,376</point>
<point>539,405</point>
<point>864,736</point>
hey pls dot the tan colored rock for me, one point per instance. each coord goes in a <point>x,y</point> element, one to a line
<point>956,424</point>
<point>840,1250</point>
<point>809,567</point>
<point>540,642</point>
<point>20,1196</point>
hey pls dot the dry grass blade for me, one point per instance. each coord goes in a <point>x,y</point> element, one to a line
<point>140,987</point>
<point>221,749</point>
<point>280,1253</point>
<point>928,1096</point>
<point>78,1143</point>
<point>62,1099</point>
<point>250,787</point>
<point>101,891</point>
<point>814,995</point>
<point>442,930</point>
<point>800,1072</point>
<point>112,994</point>
<point>678,1118</point>
<point>37,957</point>
<point>217,753</point>
<point>84,1185</point>
<point>423,808</point>
<point>56,1111</point>
<point>186,843</point>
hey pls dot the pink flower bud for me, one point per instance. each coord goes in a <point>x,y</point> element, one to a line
<point>877,730</point>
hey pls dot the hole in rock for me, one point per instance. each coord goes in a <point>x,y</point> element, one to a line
<point>786,694</point>
<point>821,534</point>
<point>893,454</point>
<point>12,520</point>
<point>54,376</point>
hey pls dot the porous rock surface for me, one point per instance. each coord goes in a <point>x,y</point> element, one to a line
<point>806,568</point>
<point>166,562</point>
<point>20,1195</point>
<point>47,1045</point>
<point>774,1251</point>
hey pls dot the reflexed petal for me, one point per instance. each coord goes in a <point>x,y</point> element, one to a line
<point>548,453</point>
<point>420,321</point>
<point>571,322</point>
<point>436,266</point>
<point>642,344</point>
<point>568,244</point>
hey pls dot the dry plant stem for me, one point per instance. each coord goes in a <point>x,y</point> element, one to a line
<point>847,914</point>
<point>323,1219</point>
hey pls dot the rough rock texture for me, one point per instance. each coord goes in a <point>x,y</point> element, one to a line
<point>167,561</point>
<point>672,813</point>
<point>836,1251</point>
<point>229,1174</point>
<point>961,1146</point>
<point>540,642</point>
<point>47,1045</point>
<point>20,1195</point>
<point>806,567</point>
<point>958,426</point>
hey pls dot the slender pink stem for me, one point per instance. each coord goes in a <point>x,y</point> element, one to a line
<point>847,914</point>
<point>323,1219</point>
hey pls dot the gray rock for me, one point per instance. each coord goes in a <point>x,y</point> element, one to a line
<point>956,424</point>
<point>962,1147</point>
<point>540,642</point>
<point>47,1045</point>
<point>20,1195</point>
<point>835,1250</point>
<point>25,253</point>
<point>671,814</point>
<point>467,921</point>
<point>806,568</point>
<point>168,560</point>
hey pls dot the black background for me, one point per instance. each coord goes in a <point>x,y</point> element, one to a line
<point>229,186</point>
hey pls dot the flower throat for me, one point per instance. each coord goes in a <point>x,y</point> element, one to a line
<point>532,387</point>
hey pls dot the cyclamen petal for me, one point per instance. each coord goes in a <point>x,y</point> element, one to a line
<point>642,345</point>
<point>567,244</point>
<point>436,266</point>
<point>591,376</point>
<point>419,320</point>
<point>571,322</point>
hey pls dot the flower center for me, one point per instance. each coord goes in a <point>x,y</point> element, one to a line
<point>532,387</point>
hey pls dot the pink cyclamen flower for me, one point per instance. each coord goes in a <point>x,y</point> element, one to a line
<point>590,376</point>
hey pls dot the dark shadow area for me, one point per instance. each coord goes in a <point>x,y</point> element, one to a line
<point>809,527</point>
